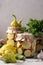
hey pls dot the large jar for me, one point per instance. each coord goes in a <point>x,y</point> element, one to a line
<point>26,42</point>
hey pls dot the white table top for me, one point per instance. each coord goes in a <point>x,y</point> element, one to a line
<point>27,62</point>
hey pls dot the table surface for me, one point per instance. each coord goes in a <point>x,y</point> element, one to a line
<point>27,62</point>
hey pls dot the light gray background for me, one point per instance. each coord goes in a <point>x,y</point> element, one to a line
<point>22,9</point>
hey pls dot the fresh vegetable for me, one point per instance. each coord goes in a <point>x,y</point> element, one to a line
<point>9,56</point>
<point>7,46</point>
<point>35,27</point>
<point>15,22</point>
<point>20,57</point>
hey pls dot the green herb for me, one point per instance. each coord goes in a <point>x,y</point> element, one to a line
<point>35,27</point>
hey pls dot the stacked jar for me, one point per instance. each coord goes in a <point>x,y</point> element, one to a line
<point>25,42</point>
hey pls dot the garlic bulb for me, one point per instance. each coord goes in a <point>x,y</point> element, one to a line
<point>40,55</point>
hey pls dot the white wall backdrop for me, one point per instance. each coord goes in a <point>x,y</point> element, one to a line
<point>22,9</point>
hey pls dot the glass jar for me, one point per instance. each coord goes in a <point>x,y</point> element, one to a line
<point>28,44</point>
